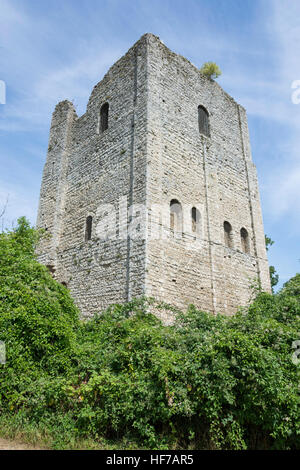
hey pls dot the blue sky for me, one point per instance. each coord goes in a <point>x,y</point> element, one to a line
<point>60,49</point>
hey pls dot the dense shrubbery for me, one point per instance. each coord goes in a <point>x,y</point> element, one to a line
<point>205,382</point>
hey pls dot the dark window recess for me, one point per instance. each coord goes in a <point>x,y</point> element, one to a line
<point>245,240</point>
<point>104,117</point>
<point>88,228</point>
<point>203,121</point>
<point>196,219</point>
<point>228,235</point>
<point>175,215</point>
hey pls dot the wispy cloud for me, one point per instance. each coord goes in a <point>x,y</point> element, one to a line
<point>36,78</point>
<point>282,184</point>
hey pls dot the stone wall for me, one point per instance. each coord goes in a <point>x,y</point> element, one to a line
<point>214,174</point>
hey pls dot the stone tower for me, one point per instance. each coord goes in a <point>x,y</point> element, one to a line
<point>153,190</point>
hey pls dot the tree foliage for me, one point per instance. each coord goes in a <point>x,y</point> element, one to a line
<point>274,277</point>
<point>211,70</point>
<point>204,382</point>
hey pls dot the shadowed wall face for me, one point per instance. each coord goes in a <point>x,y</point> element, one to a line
<point>96,164</point>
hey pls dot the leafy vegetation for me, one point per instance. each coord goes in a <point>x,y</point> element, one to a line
<point>123,379</point>
<point>211,70</point>
<point>274,277</point>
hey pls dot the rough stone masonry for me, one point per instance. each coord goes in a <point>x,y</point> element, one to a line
<point>153,190</point>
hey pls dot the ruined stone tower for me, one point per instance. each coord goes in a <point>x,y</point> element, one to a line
<point>153,190</point>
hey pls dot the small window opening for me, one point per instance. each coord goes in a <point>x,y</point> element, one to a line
<point>196,219</point>
<point>203,121</point>
<point>104,117</point>
<point>245,240</point>
<point>88,228</point>
<point>228,235</point>
<point>175,216</point>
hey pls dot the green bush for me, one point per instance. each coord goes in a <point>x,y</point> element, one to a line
<point>204,382</point>
<point>38,320</point>
<point>211,70</point>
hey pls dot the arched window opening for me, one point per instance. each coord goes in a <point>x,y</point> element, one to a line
<point>203,121</point>
<point>245,240</point>
<point>104,117</point>
<point>175,216</point>
<point>88,228</point>
<point>228,235</point>
<point>196,220</point>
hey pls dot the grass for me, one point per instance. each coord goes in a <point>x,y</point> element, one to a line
<point>46,436</point>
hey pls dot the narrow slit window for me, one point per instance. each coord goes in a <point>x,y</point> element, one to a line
<point>203,121</point>
<point>175,216</point>
<point>104,117</point>
<point>228,235</point>
<point>88,228</point>
<point>196,220</point>
<point>245,240</point>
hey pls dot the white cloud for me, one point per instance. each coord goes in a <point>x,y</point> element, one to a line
<point>13,194</point>
<point>42,68</point>
<point>282,183</point>
<point>38,77</point>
